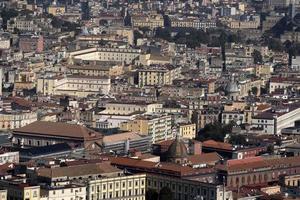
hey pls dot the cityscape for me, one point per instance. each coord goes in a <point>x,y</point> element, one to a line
<point>149,99</point>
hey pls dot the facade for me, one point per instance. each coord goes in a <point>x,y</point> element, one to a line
<point>196,23</point>
<point>9,157</point>
<point>187,131</point>
<point>121,187</point>
<point>74,85</point>
<point>13,120</point>
<point>150,21</point>
<point>122,143</point>
<point>127,108</point>
<point>158,75</point>
<point>3,194</point>
<point>42,133</point>
<point>258,170</point>
<point>22,24</point>
<point>65,192</point>
<point>19,190</point>
<point>159,127</point>
<point>122,55</point>
<point>274,120</point>
<point>31,43</point>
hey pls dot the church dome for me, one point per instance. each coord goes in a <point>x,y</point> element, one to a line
<point>232,87</point>
<point>177,151</point>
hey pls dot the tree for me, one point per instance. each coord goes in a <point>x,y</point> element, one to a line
<point>254,91</point>
<point>215,131</point>
<point>151,194</point>
<point>238,140</point>
<point>165,194</point>
<point>258,59</point>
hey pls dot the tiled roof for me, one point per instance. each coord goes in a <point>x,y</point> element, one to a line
<point>58,129</point>
<point>217,145</point>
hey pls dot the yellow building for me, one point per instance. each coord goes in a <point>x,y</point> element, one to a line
<point>150,21</point>
<point>121,187</point>
<point>20,190</point>
<point>187,131</point>
<point>158,75</point>
<point>56,10</point>
<point>263,70</point>
<point>158,126</point>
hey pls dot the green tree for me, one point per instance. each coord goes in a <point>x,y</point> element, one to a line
<point>165,194</point>
<point>215,131</point>
<point>258,59</point>
<point>254,91</point>
<point>238,140</point>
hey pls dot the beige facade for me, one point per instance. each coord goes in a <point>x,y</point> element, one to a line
<point>127,108</point>
<point>124,55</point>
<point>158,75</point>
<point>3,194</point>
<point>65,192</point>
<point>16,120</point>
<point>75,85</point>
<point>21,191</point>
<point>122,188</point>
<point>187,131</point>
<point>158,126</point>
<point>56,10</point>
<point>151,21</point>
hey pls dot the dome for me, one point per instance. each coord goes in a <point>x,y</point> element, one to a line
<point>177,150</point>
<point>232,87</point>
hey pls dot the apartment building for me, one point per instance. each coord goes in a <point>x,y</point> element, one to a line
<point>157,126</point>
<point>158,75</point>
<point>128,108</point>
<point>187,130</point>
<point>74,85</point>
<point>122,55</point>
<point>149,21</point>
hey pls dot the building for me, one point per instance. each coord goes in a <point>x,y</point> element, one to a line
<point>16,119</point>
<point>74,85</point>
<point>188,22</point>
<point>56,10</point>
<point>187,130</point>
<point>130,107</point>
<point>119,187</point>
<point>149,21</point>
<point>159,127</point>
<point>122,55</point>
<point>158,75</point>
<point>17,189</point>
<point>122,143</point>
<point>42,133</point>
<point>31,43</point>
<point>3,194</point>
<point>161,176</point>
<point>65,192</point>
<point>22,24</point>
<point>272,121</point>
<point>258,170</point>
<point>9,157</point>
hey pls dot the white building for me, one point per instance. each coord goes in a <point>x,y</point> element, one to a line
<point>64,192</point>
<point>74,85</point>
<point>274,120</point>
<point>126,55</point>
<point>9,157</point>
